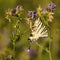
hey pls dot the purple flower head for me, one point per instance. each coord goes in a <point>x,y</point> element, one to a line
<point>18,7</point>
<point>44,11</point>
<point>32,14</point>
<point>51,7</point>
<point>29,13</point>
<point>13,11</point>
<point>48,9</point>
<point>31,52</point>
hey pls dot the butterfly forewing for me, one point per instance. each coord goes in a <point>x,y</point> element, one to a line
<point>38,31</point>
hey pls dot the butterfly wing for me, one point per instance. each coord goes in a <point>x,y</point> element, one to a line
<point>38,30</point>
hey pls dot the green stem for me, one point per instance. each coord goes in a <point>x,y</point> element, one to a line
<point>50,56</point>
<point>42,47</point>
<point>48,51</point>
<point>14,50</point>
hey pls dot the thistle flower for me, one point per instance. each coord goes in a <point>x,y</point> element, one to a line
<point>13,11</point>
<point>29,51</point>
<point>38,31</point>
<point>32,14</point>
<point>51,7</point>
<point>49,11</point>
<point>19,9</point>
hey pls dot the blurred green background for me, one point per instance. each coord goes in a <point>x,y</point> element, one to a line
<point>5,28</point>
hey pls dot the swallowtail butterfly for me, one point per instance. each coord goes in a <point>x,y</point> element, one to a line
<point>38,30</point>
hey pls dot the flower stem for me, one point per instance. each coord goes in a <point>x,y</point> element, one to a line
<point>50,56</point>
<point>14,50</point>
<point>48,51</point>
<point>41,47</point>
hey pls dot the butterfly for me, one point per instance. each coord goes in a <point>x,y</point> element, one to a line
<point>38,30</point>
